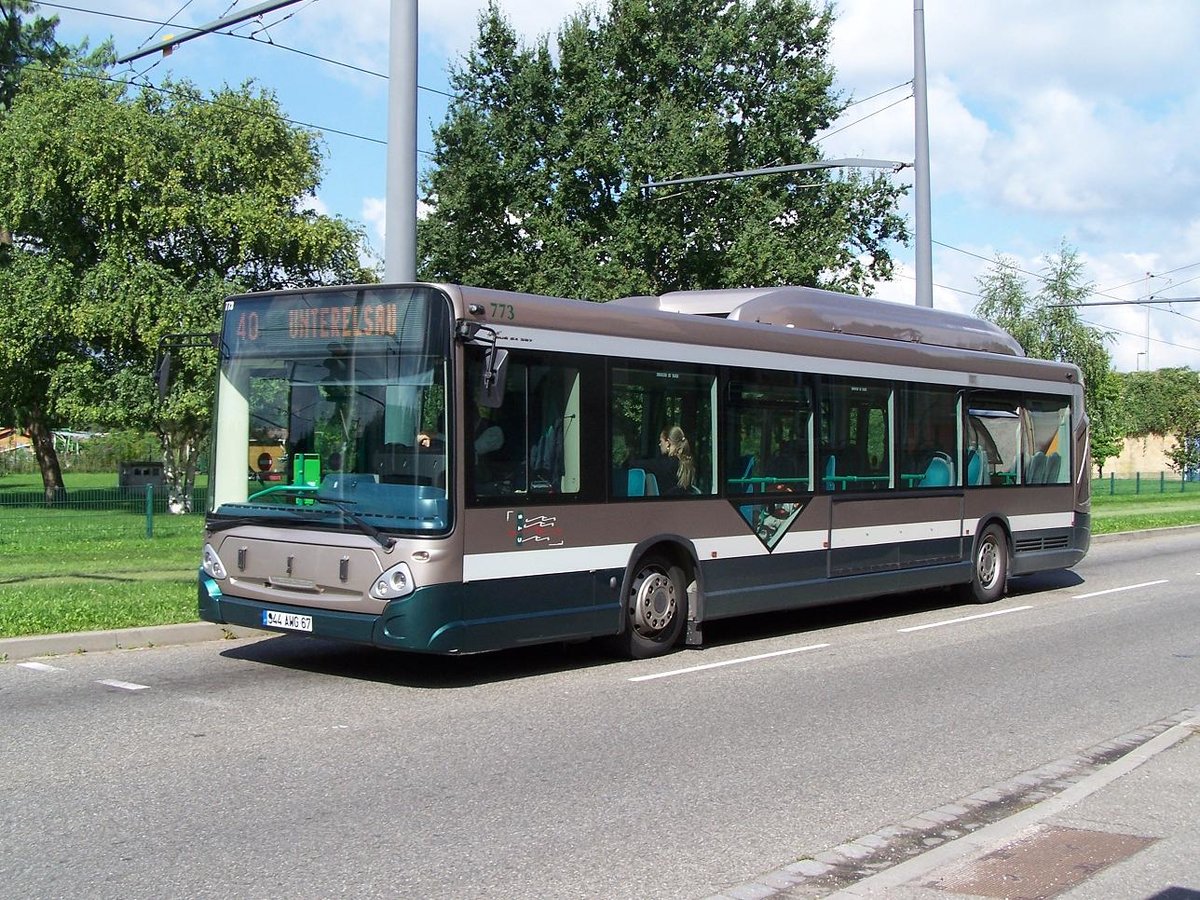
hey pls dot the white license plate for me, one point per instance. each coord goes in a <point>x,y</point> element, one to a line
<point>273,618</point>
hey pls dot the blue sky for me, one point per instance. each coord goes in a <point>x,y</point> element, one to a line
<point>1072,120</point>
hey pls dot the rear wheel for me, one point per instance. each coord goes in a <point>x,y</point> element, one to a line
<point>989,569</point>
<point>655,609</point>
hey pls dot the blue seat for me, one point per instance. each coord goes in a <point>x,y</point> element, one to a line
<point>636,484</point>
<point>974,466</point>
<point>937,474</point>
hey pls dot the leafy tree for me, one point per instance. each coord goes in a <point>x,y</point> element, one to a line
<point>23,42</point>
<point>1166,402</point>
<point>133,215</point>
<point>540,161</point>
<point>1046,323</point>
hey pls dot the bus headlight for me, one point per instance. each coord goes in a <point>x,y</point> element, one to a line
<point>211,563</point>
<point>395,582</point>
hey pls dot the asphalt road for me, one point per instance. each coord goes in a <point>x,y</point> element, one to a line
<point>287,767</point>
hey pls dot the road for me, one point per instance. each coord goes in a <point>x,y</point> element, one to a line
<point>284,766</point>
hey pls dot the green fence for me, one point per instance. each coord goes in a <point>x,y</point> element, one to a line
<point>98,512</point>
<point>1147,483</point>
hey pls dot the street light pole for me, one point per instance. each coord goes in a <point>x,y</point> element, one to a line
<point>400,238</point>
<point>924,237</point>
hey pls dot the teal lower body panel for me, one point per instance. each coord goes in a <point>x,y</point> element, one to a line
<point>447,618</point>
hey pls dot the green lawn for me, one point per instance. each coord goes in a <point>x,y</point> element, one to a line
<point>90,569</point>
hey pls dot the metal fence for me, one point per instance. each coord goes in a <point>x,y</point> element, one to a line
<point>115,512</point>
<point>1147,483</point>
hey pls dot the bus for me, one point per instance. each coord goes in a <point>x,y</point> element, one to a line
<point>465,470</point>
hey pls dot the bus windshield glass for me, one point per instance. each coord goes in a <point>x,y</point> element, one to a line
<point>331,410</point>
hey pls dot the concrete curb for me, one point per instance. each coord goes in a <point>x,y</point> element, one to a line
<point>120,639</point>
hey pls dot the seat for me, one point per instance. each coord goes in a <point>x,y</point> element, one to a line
<point>1035,472</point>
<point>937,474</point>
<point>636,483</point>
<point>1053,465</point>
<point>974,466</point>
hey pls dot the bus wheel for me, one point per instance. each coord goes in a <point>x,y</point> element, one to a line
<point>989,571</point>
<point>655,609</point>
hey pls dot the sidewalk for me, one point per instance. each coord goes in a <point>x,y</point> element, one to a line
<point>1121,820</point>
<point>119,639</point>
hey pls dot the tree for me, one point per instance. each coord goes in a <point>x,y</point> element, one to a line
<point>24,42</point>
<point>1166,402</point>
<point>538,166</point>
<point>1047,326</point>
<point>147,209</point>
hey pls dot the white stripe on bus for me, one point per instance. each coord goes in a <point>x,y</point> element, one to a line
<point>553,560</point>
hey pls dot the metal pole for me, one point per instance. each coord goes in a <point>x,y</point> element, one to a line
<point>400,239</point>
<point>924,245</point>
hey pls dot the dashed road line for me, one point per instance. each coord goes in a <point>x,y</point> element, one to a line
<point>728,662</point>
<point>1117,590</point>
<point>986,615</point>
<point>39,667</point>
<point>123,685</point>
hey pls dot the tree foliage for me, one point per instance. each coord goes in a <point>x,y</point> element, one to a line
<point>1047,325</point>
<point>24,41</point>
<point>1166,402</point>
<point>538,166</point>
<point>132,216</point>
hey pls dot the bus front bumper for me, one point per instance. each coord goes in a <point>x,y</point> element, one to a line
<point>398,627</point>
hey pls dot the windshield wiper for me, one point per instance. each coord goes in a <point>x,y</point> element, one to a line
<point>343,506</point>
<point>366,527</point>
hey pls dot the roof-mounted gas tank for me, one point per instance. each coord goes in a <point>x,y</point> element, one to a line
<point>813,309</point>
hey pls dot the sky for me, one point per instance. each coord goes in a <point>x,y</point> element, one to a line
<point>1068,121</point>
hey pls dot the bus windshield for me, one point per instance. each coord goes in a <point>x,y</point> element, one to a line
<point>331,410</point>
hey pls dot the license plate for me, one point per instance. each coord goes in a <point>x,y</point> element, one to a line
<point>273,618</point>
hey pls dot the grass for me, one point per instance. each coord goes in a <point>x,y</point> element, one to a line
<point>90,570</point>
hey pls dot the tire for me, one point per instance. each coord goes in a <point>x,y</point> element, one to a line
<point>989,567</point>
<point>655,609</point>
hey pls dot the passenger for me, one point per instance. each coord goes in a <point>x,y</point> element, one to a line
<point>673,445</point>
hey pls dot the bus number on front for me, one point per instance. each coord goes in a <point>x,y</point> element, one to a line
<point>247,326</point>
<point>503,311</point>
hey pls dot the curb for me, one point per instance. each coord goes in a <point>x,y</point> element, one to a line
<point>120,639</point>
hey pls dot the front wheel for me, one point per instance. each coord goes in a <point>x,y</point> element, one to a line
<point>655,609</point>
<point>989,569</point>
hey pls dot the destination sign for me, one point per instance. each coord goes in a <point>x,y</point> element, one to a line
<point>284,324</point>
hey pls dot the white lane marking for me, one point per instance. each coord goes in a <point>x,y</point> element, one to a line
<point>40,667</point>
<point>1131,587</point>
<point>986,615</point>
<point>124,685</point>
<point>728,662</point>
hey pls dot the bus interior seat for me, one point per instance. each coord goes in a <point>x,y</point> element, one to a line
<point>1053,464</point>
<point>974,466</point>
<point>641,483</point>
<point>1035,472</point>
<point>635,483</point>
<point>939,473</point>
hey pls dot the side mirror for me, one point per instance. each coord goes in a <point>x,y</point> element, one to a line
<point>494,378</point>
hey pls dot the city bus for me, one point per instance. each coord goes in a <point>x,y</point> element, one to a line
<point>464,470</point>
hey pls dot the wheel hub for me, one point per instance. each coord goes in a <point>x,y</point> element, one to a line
<point>654,603</point>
